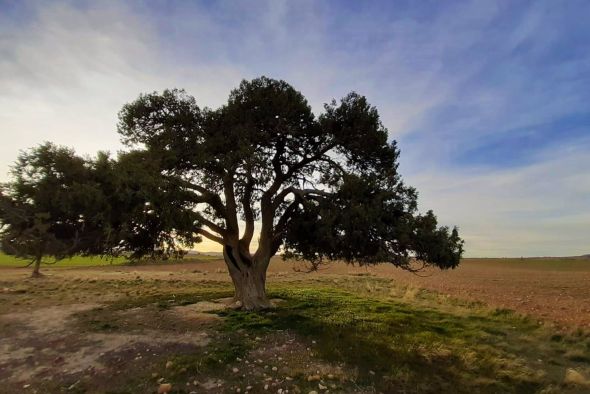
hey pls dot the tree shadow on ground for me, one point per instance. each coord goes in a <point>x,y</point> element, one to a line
<point>397,347</point>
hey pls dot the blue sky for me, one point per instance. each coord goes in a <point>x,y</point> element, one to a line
<point>489,101</point>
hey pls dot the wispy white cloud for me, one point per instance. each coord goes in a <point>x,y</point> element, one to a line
<point>66,73</point>
<point>539,209</point>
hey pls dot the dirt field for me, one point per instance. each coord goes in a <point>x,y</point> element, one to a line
<point>555,290</point>
<point>128,329</point>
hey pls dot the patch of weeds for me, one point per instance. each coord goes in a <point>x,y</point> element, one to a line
<point>98,325</point>
<point>211,364</point>
<point>221,352</point>
<point>502,312</point>
<point>252,321</point>
<point>578,356</point>
<point>495,331</point>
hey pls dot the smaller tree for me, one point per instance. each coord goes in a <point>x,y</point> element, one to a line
<point>44,209</point>
<point>59,205</point>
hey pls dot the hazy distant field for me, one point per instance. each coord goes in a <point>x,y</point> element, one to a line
<point>490,326</point>
<point>537,263</point>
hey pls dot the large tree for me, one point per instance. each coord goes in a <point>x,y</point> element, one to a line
<point>320,187</point>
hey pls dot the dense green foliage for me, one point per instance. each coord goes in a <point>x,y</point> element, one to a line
<point>61,205</point>
<point>322,186</point>
<point>50,208</point>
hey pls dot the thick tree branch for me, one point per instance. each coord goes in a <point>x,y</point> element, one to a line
<point>276,160</point>
<point>210,236</point>
<point>267,202</point>
<point>215,227</point>
<point>281,177</point>
<point>231,214</point>
<point>308,160</point>
<point>284,219</point>
<point>248,213</point>
<point>302,193</point>
<point>206,195</point>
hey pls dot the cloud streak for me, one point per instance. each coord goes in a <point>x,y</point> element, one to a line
<point>541,207</point>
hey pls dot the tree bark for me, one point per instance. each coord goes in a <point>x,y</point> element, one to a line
<point>249,280</point>
<point>36,266</point>
<point>250,289</point>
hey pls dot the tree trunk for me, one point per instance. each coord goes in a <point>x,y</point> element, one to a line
<point>251,289</point>
<point>36,266</point>
<point>250,285</point>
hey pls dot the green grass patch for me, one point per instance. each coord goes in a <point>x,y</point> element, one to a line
<point>222,351</point>
<point>76,261</point>
<point>91,261</point>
